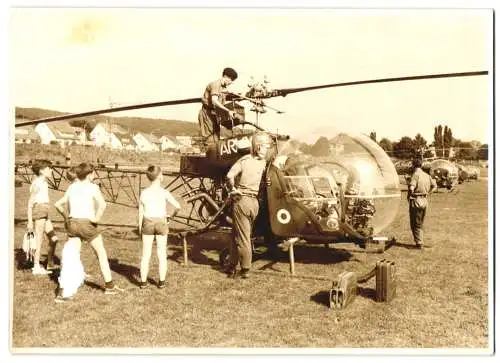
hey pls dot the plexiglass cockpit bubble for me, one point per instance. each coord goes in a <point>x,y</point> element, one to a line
<point>352,173</point>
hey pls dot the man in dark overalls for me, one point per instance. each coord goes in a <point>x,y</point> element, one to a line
<point>248,171</point>
<point>421,184</point>
<point>213,100</point>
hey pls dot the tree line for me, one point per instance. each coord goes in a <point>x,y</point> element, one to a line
<point>444,145</point>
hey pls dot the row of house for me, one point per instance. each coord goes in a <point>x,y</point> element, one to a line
<point>111,136</point>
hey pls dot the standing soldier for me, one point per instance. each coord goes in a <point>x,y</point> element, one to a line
<point>420,185</point>
<point>213,103</point>
<point>249,169</point>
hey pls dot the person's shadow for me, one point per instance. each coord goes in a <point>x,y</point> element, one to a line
<point>406,246</point>
<point>22,263</point>
<point>199,248</point>
<point>130,272</point>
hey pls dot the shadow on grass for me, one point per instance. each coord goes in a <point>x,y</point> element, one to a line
<point>406,246</point>
<point>204,250</point>
<point>321,298</point>
<point>93,285</point>
<point>198,248</point>
<point>307,254</point>
<point>131,273</point>
<point>367,292</point>
<point>320,255</point>
<point>23,264</point>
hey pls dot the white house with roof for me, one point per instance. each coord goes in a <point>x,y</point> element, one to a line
<point>168,143</point>
<point>62,133</point>
<point>45,133</point>
<point>146,142</point>
<point>99,135</point>
<point>110,135</point>
<point>114,142</point>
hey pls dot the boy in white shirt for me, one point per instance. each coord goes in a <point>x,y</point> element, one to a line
<point>153,223</point>
<point>83,218</point>
<point>72,273</point>
<point>38,215</point>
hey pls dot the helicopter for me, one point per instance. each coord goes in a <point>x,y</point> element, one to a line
<point>467,173</point>
<point>351,194</point>
<point>445,172</point>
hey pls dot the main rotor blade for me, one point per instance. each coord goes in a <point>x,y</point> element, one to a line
<point>109,110</point>
<point>285,91</point>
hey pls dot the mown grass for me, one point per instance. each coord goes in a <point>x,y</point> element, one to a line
<point>442,292</point>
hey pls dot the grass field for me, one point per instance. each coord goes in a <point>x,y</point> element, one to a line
<point>442,291</point>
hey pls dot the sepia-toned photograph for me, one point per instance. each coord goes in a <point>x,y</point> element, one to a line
<point>189,180</point>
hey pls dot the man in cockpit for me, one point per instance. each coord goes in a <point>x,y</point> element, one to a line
<point>213,111</point>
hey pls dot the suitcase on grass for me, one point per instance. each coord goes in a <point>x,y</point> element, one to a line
<point>385,272</point>
<point>344,290</point>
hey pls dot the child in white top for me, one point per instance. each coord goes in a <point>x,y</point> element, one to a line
<point>38,215</point>
<point>72,273</point>
<point>83,217</point>
<point>153,223</point>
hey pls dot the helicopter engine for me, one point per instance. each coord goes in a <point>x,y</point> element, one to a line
<point>359,212</point>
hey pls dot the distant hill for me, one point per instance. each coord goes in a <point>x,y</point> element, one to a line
<point>133,124</point>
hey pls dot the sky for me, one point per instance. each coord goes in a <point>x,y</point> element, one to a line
<point>76,60</point>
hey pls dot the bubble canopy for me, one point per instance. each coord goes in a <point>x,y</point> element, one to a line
<point>357,167</point>
<point>444,164</point>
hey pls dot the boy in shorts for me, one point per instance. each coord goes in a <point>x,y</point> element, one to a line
<point>153,223</point>
<point>38,215</point>
<point>83,218</point>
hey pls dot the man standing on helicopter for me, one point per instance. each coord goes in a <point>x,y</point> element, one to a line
<point>244,179</point>
<point>213,100</point>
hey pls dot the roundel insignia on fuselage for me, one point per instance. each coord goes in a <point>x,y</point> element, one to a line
<point>283,216</point>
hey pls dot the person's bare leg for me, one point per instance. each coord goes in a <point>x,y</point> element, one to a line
<point>161,247</point>
<point>98,246</point>
<point>147,245</point>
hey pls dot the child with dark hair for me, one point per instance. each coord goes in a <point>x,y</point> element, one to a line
<point>153,223</point>
<point>38,215</point>
<point>213,105</point>
<point>83,217</point>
